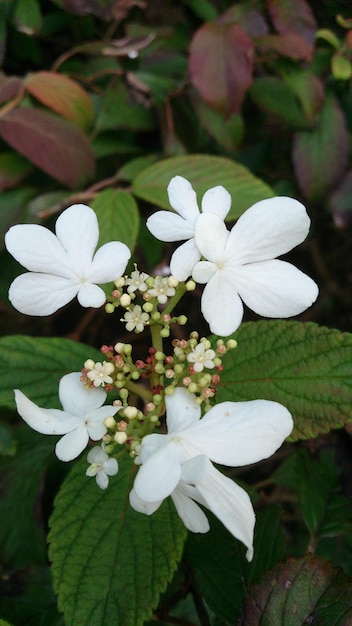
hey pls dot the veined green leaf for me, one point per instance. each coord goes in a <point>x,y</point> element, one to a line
<point>305,367</point>
<point>203,172</point>
<point>118,217</point>
<point>110,563</point>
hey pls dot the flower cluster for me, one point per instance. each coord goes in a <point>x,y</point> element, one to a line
<point>236,266</point>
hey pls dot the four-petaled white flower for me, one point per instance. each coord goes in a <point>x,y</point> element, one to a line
<point>102,466</point>
<point>178,464</point>
<point>82,417</point>
<point>201,358</point>
<point>168,226</point>
<point>241,266</point>
<point>64,265</point>
<point>162,290</point>
<point>136,319</point>
<point>137,281</point>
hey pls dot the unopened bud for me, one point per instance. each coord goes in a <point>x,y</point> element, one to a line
<point>120,437</point>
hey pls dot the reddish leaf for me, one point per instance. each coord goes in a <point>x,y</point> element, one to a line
<point>251,20</point>
<point>10,87</point>
<point>52,144</point>
<point>289,45</point>
<point>104,9</point>
<point>308,590</point>
<point>293,16</point>
<point>62,95</point>
<point>320,155</point>
<point>220,65</point>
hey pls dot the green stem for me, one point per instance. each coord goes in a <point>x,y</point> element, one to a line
<point>140,391</point>
<point>180,291</point>
<point>157,340</point>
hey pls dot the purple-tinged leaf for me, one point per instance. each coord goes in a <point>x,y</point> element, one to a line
<point>52,144</point>
<point>340,202</point>
<point>308,590</point>
<point>320,155</point>
<point>244,14</point>
<point>289,45</point>
<point>104,9</point>
<point>293,16</point>
<point>62,95</point>
<point>220,65</point>
<point>10,87</point>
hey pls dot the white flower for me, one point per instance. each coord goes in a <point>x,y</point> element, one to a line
<point>178,464</point>
<point>136,319</point>
<point>168,226</point>
<point>137,281</point>
<point>82,417</point>
<point>161,289</point>
<point>102,466</point>
<point>240,264</point>
<point>64,265</point>
<point>99,374</point>
<point>201,358</point>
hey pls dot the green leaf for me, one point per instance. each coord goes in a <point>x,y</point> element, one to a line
<point>118,217</point>
<point>13,168</point>
<point>8,442</point>
<point>325,510</point>
<point>305,367</point>
<point>13,205</point>
<point>110,563</point>
<point>132,168</point>
<point>30,600</point>
<point>22,539</point>
<point>219,566</point>
<point>203,172</point>
<point>274,97</point>
<point>303,591</point>
<point>28,17</point>
<point>320,155</point>
<point>36,364</point>
<point>118,111</point>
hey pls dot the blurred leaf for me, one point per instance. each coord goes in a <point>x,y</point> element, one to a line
<point>52,144</point>
<point>203,172</point>
<point>218,551</point>
<point>28,17</point>
<point>120,110</point>
<point>8,442</point>
<point>39,363</point>
<point>118,217</point>
<point>110,563</point>
<point>159,87</point>
<point>108,144</point>
<point>13,168</point>
<point>131,169</point>
<point>303,591</point>
<point>307,87</point>
<point>340,202</point>
<point>305,367</point>
<point>289,45</point>
<point>103,9</point>
<point>10,87</point>
<point>341,67</point>
<point>293,16</point>
<point>329,36</point>
<point>320,155</point>
<point>63,95</point>
<point>22,538</point>
<point>29,600</point>
<point>251,19</point>
<point>220,65</point>
<point>44,204</point>
<point>228,133</point>
<point>325,510</point>
<point>13,206</point>
<point>203,9</point>
<point>274,97</point>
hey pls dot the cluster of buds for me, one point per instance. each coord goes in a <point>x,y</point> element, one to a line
<point>154,292</point>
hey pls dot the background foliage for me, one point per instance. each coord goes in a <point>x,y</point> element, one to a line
<point>102,102</point>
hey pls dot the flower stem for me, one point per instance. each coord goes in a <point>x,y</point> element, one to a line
<point>180,291</point>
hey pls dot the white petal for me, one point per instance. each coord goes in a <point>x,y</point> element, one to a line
<point>159,475</point>
<point>78,399</point>
<point>275,288</point>
<point>191,514</point>
<point>78,231</point>
<point>150,444</point>
<point>111,467</point>
<point>183,199</point>
<point>182,410</point>
<point>241,433</point>
<point>184,259</point>
<point>268,229</point>
<point>109,262</point>
<point>97,455</point>
<point>45,421</point>
<point>204,271</point>
<point>72,444</point>
<point>95,421</point>
<point>102,480</point>
<point>90,295</point>
<point>217,200</point>
<point>148,508</point>
<point>229,502</point>
<point>38,249</point>
<point>211,237</point>
<point>41,294</point>
<point>168,226</point>
<point>221,306</point>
